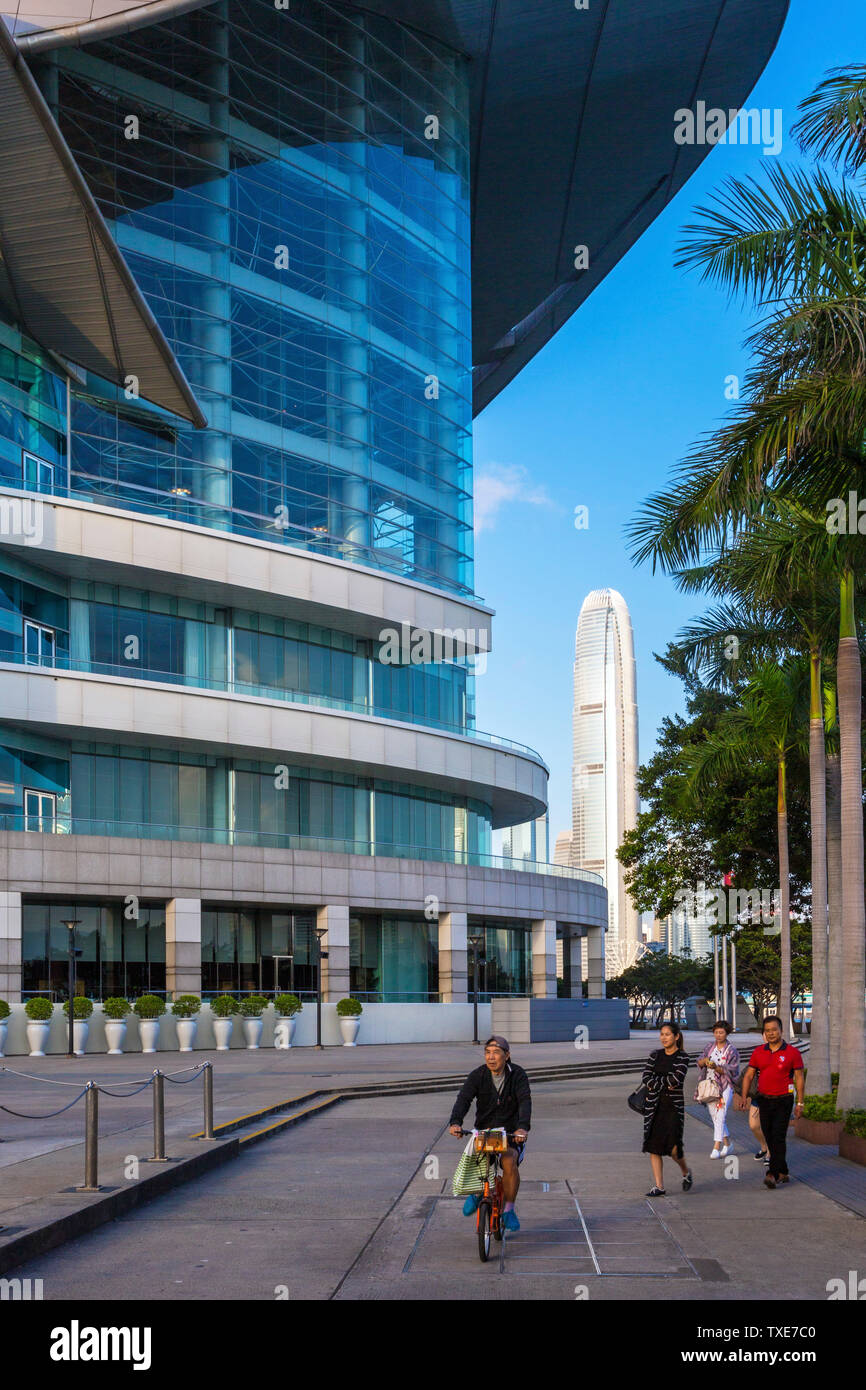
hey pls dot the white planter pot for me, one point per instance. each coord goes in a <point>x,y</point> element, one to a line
<point>4,1028</point>
<point>115,1032</point>
<point>186,1028</point>
<point>80,1029</point>
<point>148,1032</point>
<point>37,1037</point>
<point>349,1028</point>
<point>253,1031</point>
<point>284,1032</point>
<point>222,1029</point>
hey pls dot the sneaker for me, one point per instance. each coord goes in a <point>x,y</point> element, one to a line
<point>767,1161</point>
<point>769,1180</point>
<point>761,1154</point>
<point>687,1181</point>
<point>510,1221</point>
<point>471,1205</point>
<point>657,1192</point>
<point>723,1153</point>
<point>783,1177</point>
<point>715,1153</point>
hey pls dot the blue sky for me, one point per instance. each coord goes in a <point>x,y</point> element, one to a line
<point>598,419</point>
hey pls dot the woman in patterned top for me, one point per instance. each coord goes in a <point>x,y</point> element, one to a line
<point>722,1062</point>
<point>665,1114</point>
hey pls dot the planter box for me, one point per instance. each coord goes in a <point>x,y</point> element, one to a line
<point>853,1147</point>
<point>818,1131</point>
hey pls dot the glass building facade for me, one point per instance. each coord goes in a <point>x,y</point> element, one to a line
<point>121,945</point>
<point>300,229</point>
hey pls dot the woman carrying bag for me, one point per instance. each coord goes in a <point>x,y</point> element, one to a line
<point>720,1067</point>
<point>665,1113</point>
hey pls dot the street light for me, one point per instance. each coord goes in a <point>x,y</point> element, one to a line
<point>70,924</point>
<point>321,955</point>
<point>476,943</point>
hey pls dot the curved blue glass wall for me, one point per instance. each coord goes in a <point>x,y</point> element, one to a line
<point>155,793</point>
<point>290,188</point>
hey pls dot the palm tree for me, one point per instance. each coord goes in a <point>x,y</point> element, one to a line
<point>798,245</point>
<point>764,726</point>
<point>779,576</point>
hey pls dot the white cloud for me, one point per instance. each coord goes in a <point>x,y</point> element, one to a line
<point>499,483</point>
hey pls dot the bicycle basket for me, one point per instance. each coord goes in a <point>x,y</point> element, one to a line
<point>491,1141</point>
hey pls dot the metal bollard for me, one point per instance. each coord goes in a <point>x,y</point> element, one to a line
<point>158,1118</point>
<point>208,1101</point>
<point>91,1139</point>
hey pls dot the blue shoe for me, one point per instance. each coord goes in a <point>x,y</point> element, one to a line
<point>510,1221</point>
<point>471,1205</point>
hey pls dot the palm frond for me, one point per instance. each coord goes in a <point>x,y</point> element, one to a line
<point>833,123</point>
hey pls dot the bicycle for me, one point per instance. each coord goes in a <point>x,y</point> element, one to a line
<point>488,1222</point>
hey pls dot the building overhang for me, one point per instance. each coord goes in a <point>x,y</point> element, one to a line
<point>572,131</point>
<point>63,280</point>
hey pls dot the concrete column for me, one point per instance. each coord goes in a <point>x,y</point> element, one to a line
<point>183,946</point>
<point>576,960</point>
<point>544,959</point>
<point>595,963</point>
<point>453,958</point>
<point>335,970</point>
<point>10,947</point>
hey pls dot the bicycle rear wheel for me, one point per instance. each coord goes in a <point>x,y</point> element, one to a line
<point>484,1214</point>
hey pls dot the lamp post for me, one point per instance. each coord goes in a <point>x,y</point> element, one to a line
<point>70,924</point>
<point>320,956</point>
<point>476,942</point>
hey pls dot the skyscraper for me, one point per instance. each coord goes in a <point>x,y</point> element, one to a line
<point>605,760</point>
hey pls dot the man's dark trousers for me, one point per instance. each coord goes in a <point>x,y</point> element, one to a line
<point>775,1112</point>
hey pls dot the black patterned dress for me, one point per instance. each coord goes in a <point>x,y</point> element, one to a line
<point>665,1114</point>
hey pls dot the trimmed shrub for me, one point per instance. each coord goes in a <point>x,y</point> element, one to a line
<point>81,1007</point>
<point>224,1006</point>
<point>287,1005</point>
<point>149,1006</point>
<point>821,1108</point>
<point>5,1010</point>
<point>349,1008</point>
<point>253,1005</point>
<point>115,1007</point>
<point>186,1006</point>
<point>39,1010</point>
<point>855,1123</point>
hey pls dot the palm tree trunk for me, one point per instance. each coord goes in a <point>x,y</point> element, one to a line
<point>784,1005</point>
<point>834,899</point>
<point>852,1072</point>
<point>819,1051</point>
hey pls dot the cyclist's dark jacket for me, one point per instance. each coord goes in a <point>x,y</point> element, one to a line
<point>512,1109</point>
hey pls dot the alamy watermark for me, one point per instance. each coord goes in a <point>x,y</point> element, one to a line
<point>22,518</point>
<point>732,906</point>
<point>714,126</point>
<point>408,646</point>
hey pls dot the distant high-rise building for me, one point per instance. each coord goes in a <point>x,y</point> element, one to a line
<point>562,848</point>
<point>528,841</point>
<point>605,759</point>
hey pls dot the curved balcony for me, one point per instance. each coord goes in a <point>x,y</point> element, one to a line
<point>62,663</point>
<point>62,824</point>
<point>88,541</point>
<point>65,704</point>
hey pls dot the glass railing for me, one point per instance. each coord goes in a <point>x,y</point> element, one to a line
<point>61,662</point>
<point>65,824</point>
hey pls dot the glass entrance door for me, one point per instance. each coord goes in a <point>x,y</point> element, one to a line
<point>38,475</point>
<point>39,644</point>
<point>40,811</point>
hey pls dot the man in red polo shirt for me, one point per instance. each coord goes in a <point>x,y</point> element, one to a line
<point>780,1069</point>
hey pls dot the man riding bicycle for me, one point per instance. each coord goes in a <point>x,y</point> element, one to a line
<point>503,1101</point>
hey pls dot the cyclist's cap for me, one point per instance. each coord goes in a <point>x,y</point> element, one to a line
<point>500,1042</point>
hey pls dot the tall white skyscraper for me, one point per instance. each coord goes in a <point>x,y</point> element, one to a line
<point>605,757</point>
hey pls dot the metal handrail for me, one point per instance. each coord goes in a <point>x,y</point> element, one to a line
<point>63,662</point>
<point>65,823</point>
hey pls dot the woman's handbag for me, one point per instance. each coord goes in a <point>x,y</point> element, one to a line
<point>708,1090</point>
<point>637,1100</point>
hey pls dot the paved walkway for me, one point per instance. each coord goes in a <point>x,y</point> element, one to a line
<point>356,1205</point>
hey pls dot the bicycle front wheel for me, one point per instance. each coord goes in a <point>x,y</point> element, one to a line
<point>484,1215</point>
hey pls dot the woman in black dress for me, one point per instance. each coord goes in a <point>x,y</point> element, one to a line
<point>665,1113</point>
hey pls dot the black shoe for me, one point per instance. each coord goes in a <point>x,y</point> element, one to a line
<point>657,1192</point>
<point>762,1153</point>
<point>687,1181</point>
